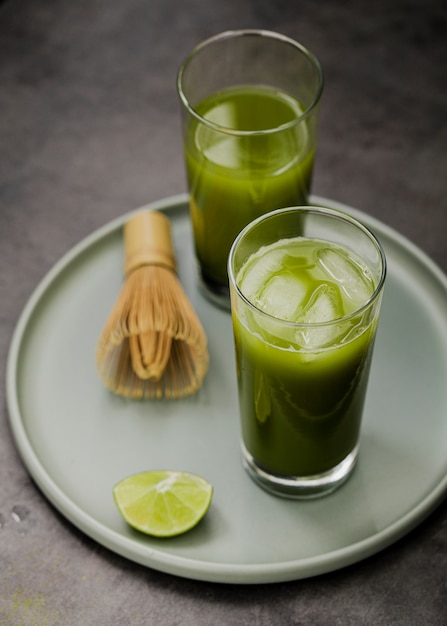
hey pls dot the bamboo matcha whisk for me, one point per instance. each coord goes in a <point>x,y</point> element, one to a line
<point>153,344</point>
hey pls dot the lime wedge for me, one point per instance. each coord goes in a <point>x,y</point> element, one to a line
<point>163,503</point>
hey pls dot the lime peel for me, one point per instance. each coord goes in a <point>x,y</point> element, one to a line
<point>163,503</point>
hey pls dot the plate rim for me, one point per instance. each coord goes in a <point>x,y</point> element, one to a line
<point>168,562</point>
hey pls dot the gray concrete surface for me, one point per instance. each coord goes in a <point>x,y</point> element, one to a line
<point>89,129</point>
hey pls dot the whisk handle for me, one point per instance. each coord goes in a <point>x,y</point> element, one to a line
<point>148,241</point>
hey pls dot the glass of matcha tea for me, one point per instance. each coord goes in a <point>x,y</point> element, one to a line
<point>306,287</point>
<point>250,103</point>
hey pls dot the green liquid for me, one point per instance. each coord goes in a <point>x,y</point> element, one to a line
<point>234,178</point>
<point>301,389</point>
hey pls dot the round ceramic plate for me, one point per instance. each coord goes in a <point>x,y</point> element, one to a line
<point>77,439</point>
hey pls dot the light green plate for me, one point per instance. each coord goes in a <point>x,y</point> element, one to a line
<point>77,440</point>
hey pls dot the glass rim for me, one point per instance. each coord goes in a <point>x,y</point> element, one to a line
<point>342,216</point>
<point>252,32</point>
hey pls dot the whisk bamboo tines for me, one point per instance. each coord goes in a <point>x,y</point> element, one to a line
<point>153,344</point>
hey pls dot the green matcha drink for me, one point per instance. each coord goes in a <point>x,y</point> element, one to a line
<point>234,178</point>
<point>250,102</point>
<point>305,314</point>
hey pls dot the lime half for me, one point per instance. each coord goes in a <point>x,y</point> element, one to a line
<point>163,503</point>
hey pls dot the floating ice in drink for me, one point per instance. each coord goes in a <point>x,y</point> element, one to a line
<point>309,282</point>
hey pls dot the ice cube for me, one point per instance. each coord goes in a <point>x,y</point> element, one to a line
<point>351,277</point>
<point>256,272</point>
<point>282,296</point>
<point>324,306</point>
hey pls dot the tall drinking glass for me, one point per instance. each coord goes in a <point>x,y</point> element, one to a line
<point>250,101</point>
<point>306,287</point>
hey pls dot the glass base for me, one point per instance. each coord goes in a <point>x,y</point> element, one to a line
<point>300,487</point>
<point>215,292</point>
